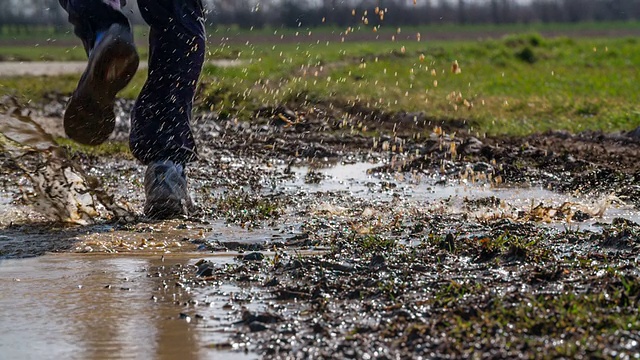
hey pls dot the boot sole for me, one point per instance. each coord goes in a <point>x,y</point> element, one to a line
<point>89,118</point>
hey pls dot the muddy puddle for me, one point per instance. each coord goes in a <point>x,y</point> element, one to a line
<point>313,187</point>
<point>482,200</point>
<point>170,237</point>
<point>96,307</point>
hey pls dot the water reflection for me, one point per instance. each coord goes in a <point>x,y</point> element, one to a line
<point>91,307</point>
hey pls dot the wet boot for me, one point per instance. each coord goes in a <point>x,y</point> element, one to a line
<point>113,61</point>
<point>167,197</point>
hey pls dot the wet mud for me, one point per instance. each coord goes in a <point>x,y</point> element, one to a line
<point>424,240</point>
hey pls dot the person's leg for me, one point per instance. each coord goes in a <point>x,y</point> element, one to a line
<point>161,134</point>
<point>113,60</point>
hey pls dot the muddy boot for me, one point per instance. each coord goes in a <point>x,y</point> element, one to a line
<point>165,185</point>
<point>89,118</point>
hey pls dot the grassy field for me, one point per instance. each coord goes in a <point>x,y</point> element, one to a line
<point>515,85</point>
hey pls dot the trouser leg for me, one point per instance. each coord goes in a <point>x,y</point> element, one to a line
<point>89,17</point>
<point>161,117</point>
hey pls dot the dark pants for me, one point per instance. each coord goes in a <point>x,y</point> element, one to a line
<point>160,122</point>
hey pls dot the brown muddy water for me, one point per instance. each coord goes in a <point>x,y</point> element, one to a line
<point>106,307</point>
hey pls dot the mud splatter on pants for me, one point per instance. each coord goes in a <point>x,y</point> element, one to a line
<point>160,121</point>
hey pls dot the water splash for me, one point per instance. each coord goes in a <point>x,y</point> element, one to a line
<point>63,191</point>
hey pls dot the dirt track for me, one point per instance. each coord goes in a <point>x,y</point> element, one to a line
<point>55,68</point>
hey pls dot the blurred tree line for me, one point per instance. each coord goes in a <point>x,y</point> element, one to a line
<point>20,15</point>
<point>312,13</point>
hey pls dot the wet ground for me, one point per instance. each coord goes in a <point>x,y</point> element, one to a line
<point>322,241</point>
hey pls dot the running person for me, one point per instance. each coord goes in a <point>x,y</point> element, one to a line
<point>161,136</point>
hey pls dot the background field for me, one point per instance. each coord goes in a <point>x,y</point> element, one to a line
<point>515,84</point>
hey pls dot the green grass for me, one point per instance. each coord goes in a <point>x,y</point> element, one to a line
<point>42,53</point>
<point>51,35</point>
<point>29,89</point>
<point>246,209</point>
<point>48,53</point>
<point>107,149</point>
<point>517,85</point>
